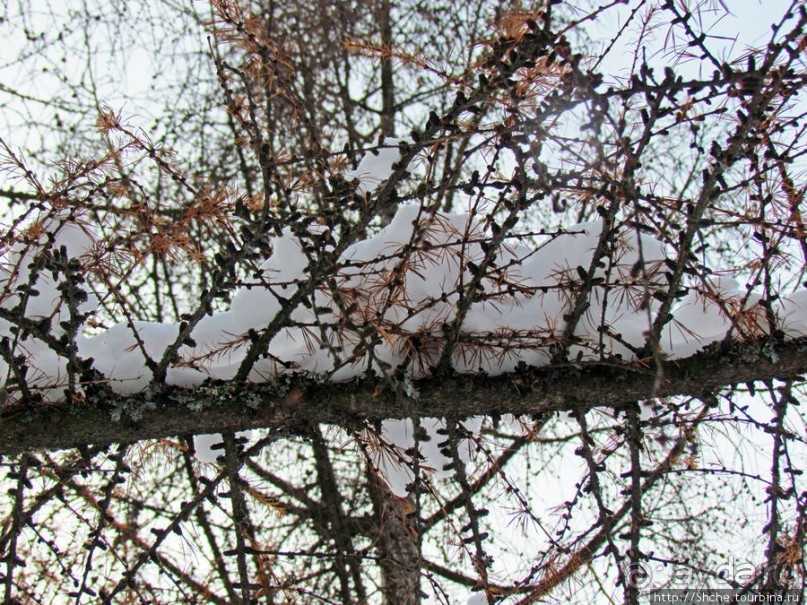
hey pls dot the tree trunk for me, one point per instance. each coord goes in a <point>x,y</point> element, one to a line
<point>397,544</point>
<point>387,84</point>
<point>384,21</point>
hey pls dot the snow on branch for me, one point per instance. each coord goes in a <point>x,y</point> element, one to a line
<point>295,406</point>
<point>430,294</point>
<point>381,314</point>
<point>382,308</point>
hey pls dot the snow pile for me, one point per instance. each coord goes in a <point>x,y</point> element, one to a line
<point>377,166</point>
<point>791,314</point>
<point>386,310</point>
<point>707,316</point>
<point>42,299</point>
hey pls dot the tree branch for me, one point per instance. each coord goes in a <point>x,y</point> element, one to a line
<point>301,403</point>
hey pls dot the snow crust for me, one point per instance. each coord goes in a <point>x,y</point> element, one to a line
<point>397,291</point>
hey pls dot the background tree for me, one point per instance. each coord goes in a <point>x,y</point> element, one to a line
<point>643,394</point>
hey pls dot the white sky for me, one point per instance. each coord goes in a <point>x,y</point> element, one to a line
<point>123,79</point>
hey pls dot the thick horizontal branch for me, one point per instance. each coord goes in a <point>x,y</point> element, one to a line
<point>301,404</point>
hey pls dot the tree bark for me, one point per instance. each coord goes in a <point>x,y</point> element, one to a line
<point>397,543</point>
<point>164,412</point>
<point>383,14</point>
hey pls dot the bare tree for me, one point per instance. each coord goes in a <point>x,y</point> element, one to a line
<point>502,324</point>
